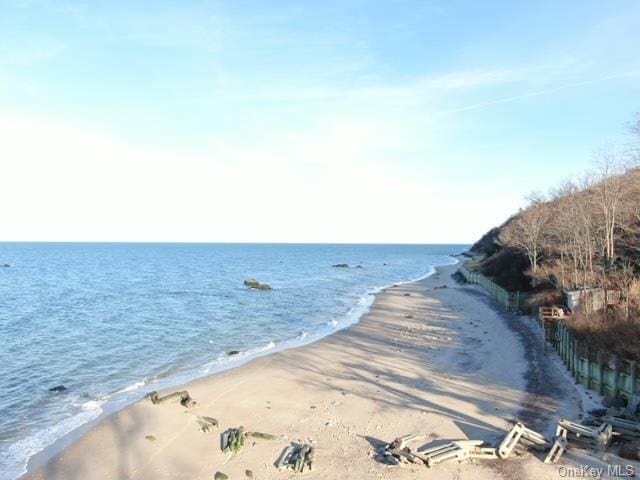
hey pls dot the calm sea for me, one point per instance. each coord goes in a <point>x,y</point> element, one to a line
<point>114,321</point>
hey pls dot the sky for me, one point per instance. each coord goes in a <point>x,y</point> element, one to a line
<point>301,121</point>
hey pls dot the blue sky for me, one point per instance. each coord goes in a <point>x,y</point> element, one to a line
<point>349,121</point>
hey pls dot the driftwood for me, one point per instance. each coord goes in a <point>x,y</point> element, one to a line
<point>183,397</point>
<point>261,436</point>
<point>297,457</point>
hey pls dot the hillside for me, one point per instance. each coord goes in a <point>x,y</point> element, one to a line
<point>585,234</point>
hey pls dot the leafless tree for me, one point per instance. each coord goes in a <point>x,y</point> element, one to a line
<point>527,230</point>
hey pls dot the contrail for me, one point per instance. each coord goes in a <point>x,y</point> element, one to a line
<point>534,94</point>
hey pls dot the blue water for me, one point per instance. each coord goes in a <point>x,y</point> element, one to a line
<point>113,321</point>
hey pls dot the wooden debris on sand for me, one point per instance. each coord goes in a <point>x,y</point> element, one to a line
<point>626,429</point>
<point>399,451</point>
<point>183,397</point>
<point>207,424</point>
<point>559,446</point>
<point>593,437</point>
<point>297,457</point>
<point>597,437</point>
<point>232,439</point>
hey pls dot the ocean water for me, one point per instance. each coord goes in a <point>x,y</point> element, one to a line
<point>112,322</point>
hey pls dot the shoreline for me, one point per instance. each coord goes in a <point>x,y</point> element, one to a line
<point>405,363</point>
<point>50,452</point>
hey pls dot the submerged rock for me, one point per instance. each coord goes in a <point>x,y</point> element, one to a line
<point>358,266</point>
<point>232,353</point>
<point>340,265</point>
<point>255,284</point>
<point>58,389</point>
<point>6,265</point>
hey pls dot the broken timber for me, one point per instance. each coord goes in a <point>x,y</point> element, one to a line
<point>232,439</point>
<point>450,451</point>
<point>594,437</point>
<point>626,429</point>
<point>183,396</point>
<point>559,446</point>
<point>207,424</point>
<point>510,441</point>
<point>296,457</point>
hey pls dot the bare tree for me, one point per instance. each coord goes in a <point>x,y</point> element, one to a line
<point>527,230</point>
<point>611,193</point>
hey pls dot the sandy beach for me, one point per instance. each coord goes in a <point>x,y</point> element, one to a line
<point>431,357</point>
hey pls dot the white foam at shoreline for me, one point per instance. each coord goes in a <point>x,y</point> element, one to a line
<point>13,463</point>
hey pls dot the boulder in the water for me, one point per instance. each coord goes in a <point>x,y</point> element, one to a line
<point>255,284</point>
<point>340,265</point>
<point>233,353</point>
<point>58,389</point>
<point>358,266</point>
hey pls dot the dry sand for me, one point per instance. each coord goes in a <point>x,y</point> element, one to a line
<point>443,362</point>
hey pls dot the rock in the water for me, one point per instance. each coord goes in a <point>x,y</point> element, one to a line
<point>631,450</point>
<point>341,265</point>
<point>255,284</point>
<point>6,265</point>
<point>358,266</point>
<point>232,353</point>
<point>221,476</point>
<point>58,389</point>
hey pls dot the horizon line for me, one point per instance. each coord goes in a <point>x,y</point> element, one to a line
<point>162,242</point>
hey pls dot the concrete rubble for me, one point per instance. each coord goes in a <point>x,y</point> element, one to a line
<point>568,434</point>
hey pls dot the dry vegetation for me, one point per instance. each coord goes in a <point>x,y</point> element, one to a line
<point>584,234</point>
